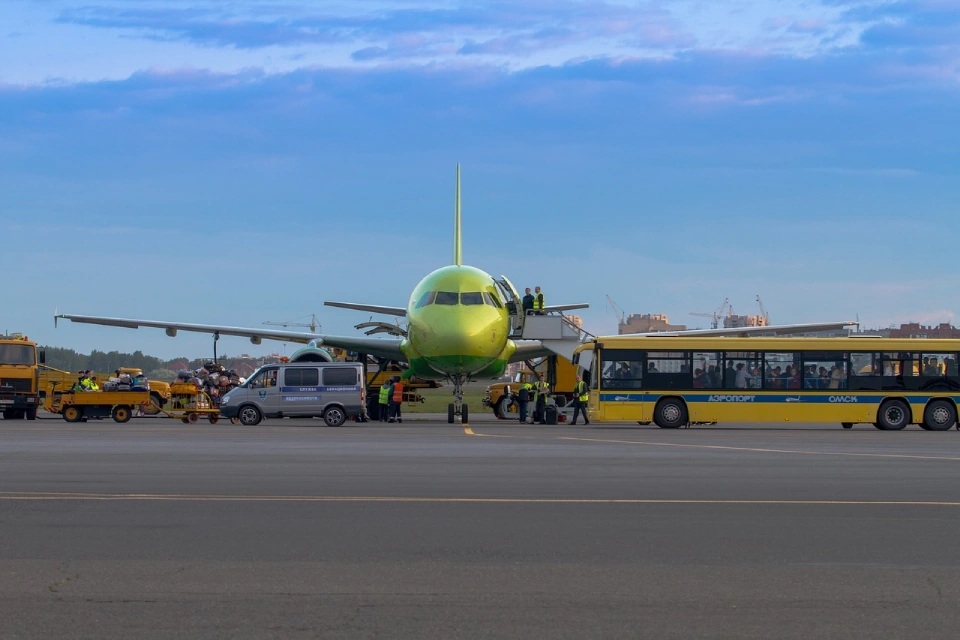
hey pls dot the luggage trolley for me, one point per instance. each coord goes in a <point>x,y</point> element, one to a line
<point>189,402</point>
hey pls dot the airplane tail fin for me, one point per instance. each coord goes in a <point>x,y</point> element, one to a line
<point>457,258</point>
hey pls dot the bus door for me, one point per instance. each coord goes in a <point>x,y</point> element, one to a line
<point>620,386</point>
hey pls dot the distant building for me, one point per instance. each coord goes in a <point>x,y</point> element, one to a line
<point>736,322</point>
<point>648,323</point>
<point>916,330</point>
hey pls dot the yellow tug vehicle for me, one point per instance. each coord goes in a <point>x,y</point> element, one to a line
<point>78,406</point>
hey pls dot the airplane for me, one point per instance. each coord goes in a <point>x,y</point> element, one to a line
<point>458,325</point>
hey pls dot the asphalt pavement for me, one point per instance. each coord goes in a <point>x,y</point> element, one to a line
<point>293,529</point>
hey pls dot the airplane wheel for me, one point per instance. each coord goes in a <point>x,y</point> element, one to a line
<point>464,415</point>
<point>450,413</point>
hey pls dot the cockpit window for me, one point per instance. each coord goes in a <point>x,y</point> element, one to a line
<point>447,297</point>
<point>491,300</point>
<point>426,299</point>
<point>471,298</point>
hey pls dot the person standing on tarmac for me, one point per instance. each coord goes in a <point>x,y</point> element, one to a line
<point>523,398</point>
<point>384,399</point>
<point>581,396</point>
<point>538,302</point>
<point>540,389</point>
<point>396,398</point>
<point>527,302</point>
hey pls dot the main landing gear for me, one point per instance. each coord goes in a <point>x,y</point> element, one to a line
<point>457,408</point>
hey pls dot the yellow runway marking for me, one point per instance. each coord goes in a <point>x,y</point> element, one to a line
<point>175,497</point>
<point>759,450</point>
<point>467,430</point>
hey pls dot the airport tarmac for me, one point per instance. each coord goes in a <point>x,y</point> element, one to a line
<point>292,529</point>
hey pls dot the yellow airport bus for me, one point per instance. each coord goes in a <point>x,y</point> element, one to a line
<point>675,380</point>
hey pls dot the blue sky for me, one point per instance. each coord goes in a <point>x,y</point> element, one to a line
<point>238,162</point>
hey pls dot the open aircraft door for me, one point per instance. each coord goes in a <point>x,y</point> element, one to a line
<point>513,304</point>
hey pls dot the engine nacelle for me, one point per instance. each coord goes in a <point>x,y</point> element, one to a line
<point>256,339</point>
<point>171,332</point>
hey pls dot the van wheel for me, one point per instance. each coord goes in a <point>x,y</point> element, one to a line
<point>121,414</point>
<point>72,414</point>
<point>32,413</point>
<point>450,413</point>
<point>334,416</point>
<point>939,415</point>
<point>250,416</point>
<point>894,415</point>
<point>671,413</point>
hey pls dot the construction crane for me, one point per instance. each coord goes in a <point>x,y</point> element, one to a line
<point>763,312</point>
<point>716,315</point>
<point>622,317</point>
<point>313,325</point>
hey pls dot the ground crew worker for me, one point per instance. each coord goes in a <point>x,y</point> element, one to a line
<point>581,395</point>
<point>538,302</point>
<point>384,399</point>
<point>396,398</point>
<point>523,398</point>
<point>527,302</point>
<point>540,390</point>
<point>86,383</point>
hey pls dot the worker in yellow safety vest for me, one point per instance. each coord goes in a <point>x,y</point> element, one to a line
<point>384,399</point>
<point>523,399</point>
<point>581,396</point>
<point>538,301</point>
<point>540,391</point>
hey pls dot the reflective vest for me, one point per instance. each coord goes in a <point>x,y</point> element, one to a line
<point>88,384</point>
<point>385,394</point>
<point>538,302</point>
<point>582,393</point>
<point>541,387</point>
<point>529,388</point>
<point>397,392</point>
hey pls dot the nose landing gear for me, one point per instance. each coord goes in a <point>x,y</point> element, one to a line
<point>457,408</point>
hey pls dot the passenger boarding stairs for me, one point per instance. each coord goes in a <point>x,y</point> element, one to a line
<point>554,331</point>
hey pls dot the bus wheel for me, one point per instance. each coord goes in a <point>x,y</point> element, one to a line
<point>939,415</point>
<point>671,413</point>
<point>894,415</point>
<point>121,414</point>
<point>846,425</point>
<point>72,414</point>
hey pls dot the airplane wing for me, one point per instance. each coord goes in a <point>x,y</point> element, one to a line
<point>373,308</point>
<point>381,347</point>
<point>769,330</point>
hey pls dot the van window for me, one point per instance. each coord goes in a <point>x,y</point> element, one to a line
<point>301,377</point>
<point>339,377</point>
<point>263,378</point>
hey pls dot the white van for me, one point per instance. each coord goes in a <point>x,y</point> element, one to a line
<point>333,390</point>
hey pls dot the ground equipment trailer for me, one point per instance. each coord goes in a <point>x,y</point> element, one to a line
<point>189,403</point>
<point>82,405</point>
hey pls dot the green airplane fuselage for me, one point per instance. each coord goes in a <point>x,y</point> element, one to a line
<point>449,333</point>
